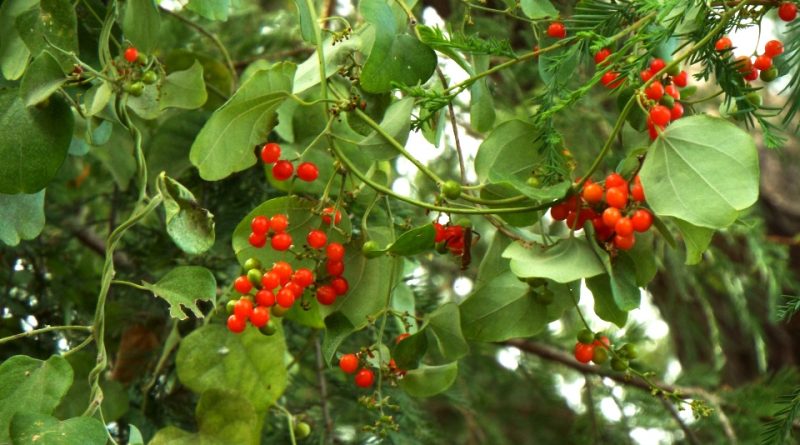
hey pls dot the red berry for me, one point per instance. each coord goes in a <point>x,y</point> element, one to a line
<point>752,75</point>
<point>326,295</point>
<point>270,153</point>
<point>348,363</point>
<point>364,378</point>
<point>676,112</point>
<point>282,170</point>
<point>657,65</point>
<point>242,285</point>
<point>723,44</point>
<point>623,227</point>
<point>602,55</point>
<point>787,11</point>
<point>281,241</point>
<point>131,54</point>
<point>660,115</point>
<point>559,212</point>
<point>637,192</point>
<point>681,80</point>
<point>773,48</point>
<point>763,63</point>
<point>655,91</point>
<point>615,180</point>
<point>610,217</point>
<point>641,220</point>
<point>243,308</point>
<point>295,288</point>
<point>334,268</point>
<point>278,223</point>
<point>557,30</point>
<point>285,298</point>
<point>334,252</point>
<point>583,352</point>
<point>303,277</point>
<point>316,239</point>
<point>270,280</point>
<point>307,171</point>
<point>258,240</point>
<point>260,316</point>
<point>593,193</point>
<point>672,90</point>
<point>259,224</point>
<point>340,285</point>
<point>236,324</point>
<point>284,271</point>
<point>603,341</point>
<point>617,197</point>
<point>624,242</point>
<point>265,298</point>
<point>743,64</point>
<point>609,79</point>
<point>646,75</point>
<point>326,216</point>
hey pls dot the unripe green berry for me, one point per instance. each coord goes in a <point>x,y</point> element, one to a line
<point>618,364</point>
<point>755,99</point>
<point>229,306</point>
<point>451,190</point>
<point>302,430</point>
<point>254,275</point>
<point>252,263</point>
<point>371,249</point>
<point>586,336</point>
<point>674,70</point>
<point>135,89</point>
<point>600,355</point>
<point>770,74</point>
<point>149,77</point>
<point>533,181</point>
<point>268,329</point>
<point>668,101</point>
<point>629,350</point>
<point>279,311</point>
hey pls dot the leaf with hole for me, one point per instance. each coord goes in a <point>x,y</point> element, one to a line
<point>182,287</point>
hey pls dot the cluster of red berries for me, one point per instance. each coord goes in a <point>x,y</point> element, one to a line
<point>449,237</point>
<point>557,30</point>
<point>597,348</point>
<point>787,11</point>
<point>350,363</point>
<point>663,96</point>
<point>616,212</point>
<point>283,169</point>
<point>762,63</point>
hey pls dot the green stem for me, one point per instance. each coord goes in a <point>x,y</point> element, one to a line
<point>290,422</point>
<point>130,284</point>
<point>45,330</point>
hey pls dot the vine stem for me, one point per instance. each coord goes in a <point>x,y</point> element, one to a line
<point>382,329</point>
<point>34,332</point>
<point>290,422</point>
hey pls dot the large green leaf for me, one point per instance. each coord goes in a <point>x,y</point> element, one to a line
<point>54,23</point>
<point>141,24</point>
<point>182,287</point>
<point>184,89</point>
<point>444,334</point>
<point>43,429</point>
<point>43,78</point>
<point>428,381</point>
<point>394,57</point>
<point>414,242</point>
<point>538,9</point>
<point>31,385</point>
<point>408,353</point>
<point>643,258</point>
<point>605,305</point>
<point>223,417</point>
<point>190,226</point>
<point>249,363</point>
<point>703,170</point>
<point>226,143</point>
<point>13,52</point>
<point>210,9</point>
<point>696,239</point>
<point>509,156</point>
<point>396,123</point>
<point>35,142</point>
<point>21,217</point>
<point>565,261</point>
<point>337,329</point>
<point>481,102</point>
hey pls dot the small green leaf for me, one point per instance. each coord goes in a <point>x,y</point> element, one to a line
<point>13,52</point>
<point>481,105</point>
<point>396,123</point>
<point>141,24</point>
<point>210,9</point>
<point>42,429</point>
<point>223,417</point>
<point>249,363</point>
<point>643,258</point>
<point>414,242</point>
<point>226,143</point>
<point>538,9</point>
<point>184,89</point>
<point>96,99</point>
<point>408,353</point>
<point>43,78</point>
<point>21,217</point>
<point>308,22</point>
<point>565,261</point>
<point>190,226</point>
<point>696,239</point>
<point>444,334</point>
<point>428,381</point>
<point>35,142</point>
<point>337,329</point>
<point>135,436</point>
<point>604,305</point>
<point>621,275</point>
<point>182,287</point>
<point>31,385</point>
<point>702,170</point>
<point>54,23</point>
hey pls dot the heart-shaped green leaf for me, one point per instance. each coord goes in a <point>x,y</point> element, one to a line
<point>190,226</point>
<point>184,286</point>
<point>43,78</point>
<point>565,261</point>
<point>21,217</point>
<point>427,381</point>
<point>42,429</point>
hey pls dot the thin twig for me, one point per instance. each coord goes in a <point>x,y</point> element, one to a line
<point>454,124</point>
<point>686,430</point>
<point>31,333</point>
